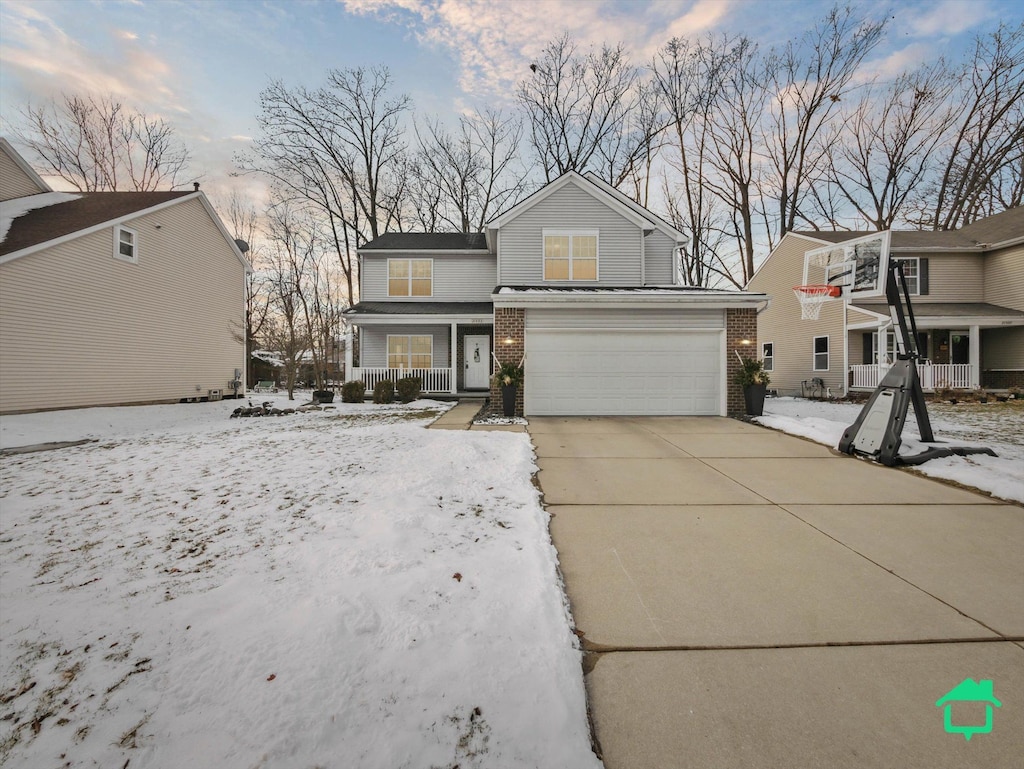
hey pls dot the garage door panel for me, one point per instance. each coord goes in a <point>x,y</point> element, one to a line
<point>616,372</point>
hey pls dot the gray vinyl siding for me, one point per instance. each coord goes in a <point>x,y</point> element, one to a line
<point>81,328</point>
<point>1004,277</point>
<point>374,343</point>
<point>15,183</point>
<point>619,319</point>
<point>792,338</point>
<point>659,257</point>
<point>570,208</point>
<point>457,278</point>
<point>953,277</point>
<point>1002,349</point>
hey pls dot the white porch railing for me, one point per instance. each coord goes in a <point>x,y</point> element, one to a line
<point>934,376</point>
<point>435,380</point>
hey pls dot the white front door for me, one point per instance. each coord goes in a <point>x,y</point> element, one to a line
<point>476,352</point>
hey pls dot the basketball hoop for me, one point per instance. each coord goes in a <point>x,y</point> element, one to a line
<point>811,299</point>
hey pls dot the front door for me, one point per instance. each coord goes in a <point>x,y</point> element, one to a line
<point>476,352</point>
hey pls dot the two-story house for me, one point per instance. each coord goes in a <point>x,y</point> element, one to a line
<point>967,293</point>
<point>580,284</point>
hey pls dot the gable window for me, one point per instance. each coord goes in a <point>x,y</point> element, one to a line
<point>410,351</point>
<point>126,244</point>
<point>570,254</point>
<point>912,272</point>
<point>768,356</point>
<point>410,277</point>
<point>821,353</point>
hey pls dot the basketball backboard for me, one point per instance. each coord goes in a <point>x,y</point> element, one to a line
<point>857,266</point>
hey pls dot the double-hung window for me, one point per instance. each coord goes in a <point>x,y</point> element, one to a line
<point>911,271</point>
<point>126,244</point>
<point>410,277</point>
<point>410,351</point>
<point>821,353</point>
<point>768,356</point>
<point>570,254</point>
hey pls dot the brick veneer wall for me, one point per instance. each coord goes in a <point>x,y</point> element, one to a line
<point>509,323</point>
<point>740,324</point>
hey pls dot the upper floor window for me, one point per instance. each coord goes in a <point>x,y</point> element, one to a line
<point>410,277</point>
<point>570,254</point>
<point>912,272</point>
<point>126,244</point>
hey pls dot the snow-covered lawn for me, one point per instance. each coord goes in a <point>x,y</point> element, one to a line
<point>338,588</point>
<point>999,426</point>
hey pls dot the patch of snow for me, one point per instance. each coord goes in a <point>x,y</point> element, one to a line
<point>339,585</point>
<point>497,420</point>
<point>999,426</point>
<point>12,209</point>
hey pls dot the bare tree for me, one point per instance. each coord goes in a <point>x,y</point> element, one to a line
<point>808,79</point>
<point>880,153</point>
<point>463,179</point>
<point>587,112</point>
<point>986,148</point>
<point>98,144</point>
<point>339,148</point>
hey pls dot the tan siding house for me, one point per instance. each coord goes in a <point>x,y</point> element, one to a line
<point>87,319</point>
<point>967,296</point>
<point>17,179</point>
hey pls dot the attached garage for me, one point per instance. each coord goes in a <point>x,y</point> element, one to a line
<point>602,361</point>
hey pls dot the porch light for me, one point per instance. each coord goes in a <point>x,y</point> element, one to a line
<point>509,340</point>
<point>745,341</point>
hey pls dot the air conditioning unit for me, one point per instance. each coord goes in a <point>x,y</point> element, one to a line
<point>216,395</point>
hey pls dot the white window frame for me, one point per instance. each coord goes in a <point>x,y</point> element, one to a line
<point>913,281</point>
<point>768,357</point>
<point>595,234</point>
<point>815,353</point>
<point>134,258</point>
<point>409,279</point>
<point>387,351</point>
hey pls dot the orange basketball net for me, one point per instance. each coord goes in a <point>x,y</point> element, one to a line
<point>811,299</point>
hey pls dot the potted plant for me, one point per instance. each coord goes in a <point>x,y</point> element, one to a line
<point>754,380</point>
<point>508,377</point>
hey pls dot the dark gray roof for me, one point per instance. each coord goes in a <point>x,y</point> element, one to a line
<point>625,289</point>
<point>999,228</point>
<point>948,309</point>
<point>421,308</point>
<point>427,241</point>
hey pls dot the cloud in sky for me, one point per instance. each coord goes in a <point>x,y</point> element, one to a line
<point>47,60</point>
<point>950,17</point>
<point>495,41</point>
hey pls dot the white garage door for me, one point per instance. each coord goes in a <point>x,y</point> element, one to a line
<point>622,371</point>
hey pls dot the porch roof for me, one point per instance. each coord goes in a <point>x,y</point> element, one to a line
<point>950,310</point>
<point>421,308</point>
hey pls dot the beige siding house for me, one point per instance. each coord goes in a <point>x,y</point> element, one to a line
<point>967,293</point>
<point>116,298</point>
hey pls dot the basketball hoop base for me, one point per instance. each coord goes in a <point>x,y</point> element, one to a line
<point>811,299</point>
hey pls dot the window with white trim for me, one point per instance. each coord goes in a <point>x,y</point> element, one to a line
<point>410,351</point>
<point>821,353</point>
<point>410,277</point>
<point>570,254</point>
<point>126,244</point>
<point>912,272</point>
<point>768,356</point>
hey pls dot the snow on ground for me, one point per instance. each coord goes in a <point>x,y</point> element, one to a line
<point>330,588</point>
<point>999,426</point>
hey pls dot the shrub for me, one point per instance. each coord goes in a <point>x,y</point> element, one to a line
<point>409,388</point>
<point>353,392</point>
<point>509,374</point>
<point>384,391</point>
<point>751,373</point>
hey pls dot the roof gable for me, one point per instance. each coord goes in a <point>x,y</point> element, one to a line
<point>29,173</point>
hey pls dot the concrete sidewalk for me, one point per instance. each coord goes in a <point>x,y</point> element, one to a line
<point>751,599</point>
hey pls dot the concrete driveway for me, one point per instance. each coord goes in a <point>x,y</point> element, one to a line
<point>751,599</point>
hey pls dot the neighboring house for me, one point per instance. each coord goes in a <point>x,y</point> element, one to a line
<point>967,294</point>
<point>114,297</point>
<point>577,281</point>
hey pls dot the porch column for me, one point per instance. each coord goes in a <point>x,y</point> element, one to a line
<point>348,355</point>
<point>974,355</point>
<point>453,356</point>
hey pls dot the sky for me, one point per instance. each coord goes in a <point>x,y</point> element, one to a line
<point>202,65</point>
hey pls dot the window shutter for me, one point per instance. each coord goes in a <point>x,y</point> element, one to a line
<point>922,276</point>
<point>868,347</point>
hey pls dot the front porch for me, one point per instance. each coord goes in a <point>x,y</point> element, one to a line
<point>934,376</point>
<point>436,381</point>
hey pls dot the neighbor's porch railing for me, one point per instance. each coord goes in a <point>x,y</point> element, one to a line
<point>934,376</point>
<point>435,380</point>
